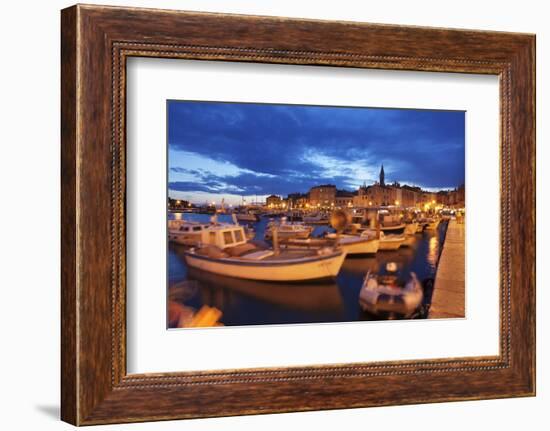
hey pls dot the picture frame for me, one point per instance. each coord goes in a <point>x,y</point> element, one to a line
<point>96,41</point>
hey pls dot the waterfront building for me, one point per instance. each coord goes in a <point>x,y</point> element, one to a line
<point>409,197</point>
<point>298,200</point>
<point>273,201</point>
<point>323,196</point>
<point>178,204</point>
<point>344,199</point>
<point>452,198</point>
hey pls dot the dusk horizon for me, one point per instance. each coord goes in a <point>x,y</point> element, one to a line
<point>233,150</point>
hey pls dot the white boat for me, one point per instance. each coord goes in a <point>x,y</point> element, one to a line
<point>411,228</point>
<point>315,219</point>
<point>392,224</point>
<point>432,224</point>
<point>225,251</point>
<point>359,245</point>
<point>352,245</point>
<point>186,232</point>
<point>408,241</point>
<point>384,294</point>
<point>390,242</point>
<point>286,230</point>
<point>247,217</point>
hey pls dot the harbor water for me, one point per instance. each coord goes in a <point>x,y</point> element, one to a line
<point>247,302</point>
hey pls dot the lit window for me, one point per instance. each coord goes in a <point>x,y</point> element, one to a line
<point>227,237</point>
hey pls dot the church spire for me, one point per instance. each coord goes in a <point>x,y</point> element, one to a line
<point>382,183</point>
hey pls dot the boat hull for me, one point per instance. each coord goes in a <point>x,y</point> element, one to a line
<point>303,234</point>
<point>390,244</point>
<point>247,217</point>
<point>359,246</point>
<point>403,302</point>
<point>397,229</point>
<point>404,306</point>
<point>409,241</point>
<point>295,270</point>
<point>411,228</point>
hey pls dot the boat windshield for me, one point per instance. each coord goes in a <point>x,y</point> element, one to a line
<point>227,237</point>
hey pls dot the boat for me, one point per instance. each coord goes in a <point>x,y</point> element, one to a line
<point>225,251</point>
<point>186,232</point>
<point>247,217</point>
<point>359,245</point>
<point>408,241</point>
<point>352,245</point>
<point>411,228</point>
<point>294,216</point>
<point>388,294</point>
<point>287,230</point>
<point>390,242</point>
<point>318,218</point>
<point>392,224</point>
<point>432,224</point>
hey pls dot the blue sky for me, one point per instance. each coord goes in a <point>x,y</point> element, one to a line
<point>229,150</point>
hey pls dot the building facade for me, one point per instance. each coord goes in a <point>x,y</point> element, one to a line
<point>344,199</point>
<point>323,196</point>
<point>298,200</point>
<point>273,201</point>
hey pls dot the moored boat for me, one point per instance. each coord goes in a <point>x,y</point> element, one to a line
<point>432,224</point>
<point>392,224</point>
<point>225,251</point>
<point>352,245</point>
<point>390,242</point>
<point>318,218</point>
<point>388,294</point>
<point>186,232</point>
<point>408,241</point>
<point>411,228</point>
<point>247,217</point>
<point>287,230</point>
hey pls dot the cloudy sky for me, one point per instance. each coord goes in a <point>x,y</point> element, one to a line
<point>234,150</point>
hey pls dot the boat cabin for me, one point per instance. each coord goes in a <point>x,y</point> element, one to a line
<point>186,226</point>
<point>223,236</point>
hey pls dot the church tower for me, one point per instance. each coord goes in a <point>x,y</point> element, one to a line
<point>382,176</point>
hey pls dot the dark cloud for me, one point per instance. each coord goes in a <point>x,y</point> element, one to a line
<point>416,146</point>
<point>250,184</point>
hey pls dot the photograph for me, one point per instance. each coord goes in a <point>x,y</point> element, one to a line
<point>284,214</point>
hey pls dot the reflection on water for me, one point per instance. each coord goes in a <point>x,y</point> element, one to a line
<point>433,251</point>
<point>246,302</point>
